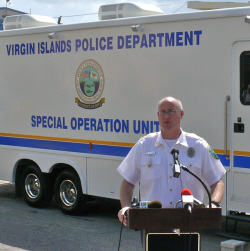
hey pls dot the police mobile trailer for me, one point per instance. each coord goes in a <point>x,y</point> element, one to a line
<point>75,98</point>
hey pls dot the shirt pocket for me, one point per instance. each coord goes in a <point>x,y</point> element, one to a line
<point>194,165</point>
<point>151,167</point>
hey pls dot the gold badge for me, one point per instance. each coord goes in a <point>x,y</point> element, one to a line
<point>157,143</point>
<point>150,155</point>
<point>191,152</point>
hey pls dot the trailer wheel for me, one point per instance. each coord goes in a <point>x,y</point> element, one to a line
<point>68,193</point>
<point>36,188</point>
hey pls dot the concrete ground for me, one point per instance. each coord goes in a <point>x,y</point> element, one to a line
<point>24,228</point>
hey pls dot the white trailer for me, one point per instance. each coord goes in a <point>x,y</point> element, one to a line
<point>75,98</point>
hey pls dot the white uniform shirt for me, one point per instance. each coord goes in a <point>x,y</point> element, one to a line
<point>155,171</point>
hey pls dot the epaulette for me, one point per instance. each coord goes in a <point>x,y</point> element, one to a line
<point>197,138</point>
<point>148,135</point>
<point>143,137</point>
<point>193,135</point>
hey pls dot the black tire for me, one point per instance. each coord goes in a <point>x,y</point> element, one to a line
<point>68,193</point>
<point>37,189</point>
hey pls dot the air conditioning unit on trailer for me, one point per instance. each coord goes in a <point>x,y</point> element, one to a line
<point>123,10</point>
<point>27,21</point>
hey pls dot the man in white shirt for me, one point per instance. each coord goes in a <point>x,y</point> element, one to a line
<point>150,162</point>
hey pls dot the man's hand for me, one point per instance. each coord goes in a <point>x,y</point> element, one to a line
<point>123,215</point>
<point>126,192</point>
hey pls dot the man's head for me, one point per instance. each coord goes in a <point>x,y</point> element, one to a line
<point>170,112</point>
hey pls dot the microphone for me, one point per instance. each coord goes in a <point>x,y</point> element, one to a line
<point>135,203</point>
<point>155,204</point>
<point>198,203</point>
<point>176,168</point>
<point>203,184</point>
<point>187,199</point>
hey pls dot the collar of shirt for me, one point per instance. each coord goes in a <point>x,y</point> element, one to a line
<point>182,140</point>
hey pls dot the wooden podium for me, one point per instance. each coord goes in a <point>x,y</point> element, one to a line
<point>164,220</point>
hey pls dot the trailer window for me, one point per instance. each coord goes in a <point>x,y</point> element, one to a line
<point>245,78</point>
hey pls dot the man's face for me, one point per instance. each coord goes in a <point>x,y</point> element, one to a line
<point>170,123</point>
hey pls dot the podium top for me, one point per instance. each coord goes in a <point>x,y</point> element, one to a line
<point>174,218</point>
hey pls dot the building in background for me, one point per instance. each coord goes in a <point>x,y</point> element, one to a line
<point>7,12</point>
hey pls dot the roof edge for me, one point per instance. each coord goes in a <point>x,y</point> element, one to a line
<point>188,16</point>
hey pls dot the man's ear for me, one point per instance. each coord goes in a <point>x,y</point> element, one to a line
<point>182,113</point>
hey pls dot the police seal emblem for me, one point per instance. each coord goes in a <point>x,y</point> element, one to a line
<point>212,153</point>
<point>191,152</point>
<point>89,83</point>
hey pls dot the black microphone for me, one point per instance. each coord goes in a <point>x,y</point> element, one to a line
<point>176,167</point>
<point>135,203</point>
<point>155,204</point>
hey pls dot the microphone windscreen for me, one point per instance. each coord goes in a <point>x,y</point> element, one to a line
<point>186,191</point>
<point>155,204</point>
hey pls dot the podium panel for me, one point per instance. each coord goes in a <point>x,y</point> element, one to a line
<point>172,241</point>
<point>166,219</point>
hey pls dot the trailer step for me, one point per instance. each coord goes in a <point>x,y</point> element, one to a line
<point>244,218</point>
<point>237,217</point>
<point>234,245</point>
<point>234,235</point>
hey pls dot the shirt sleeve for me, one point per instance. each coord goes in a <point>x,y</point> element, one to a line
<point>129,168</point>
<point>212,168</point>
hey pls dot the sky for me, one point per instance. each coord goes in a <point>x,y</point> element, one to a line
<point>77,11</point>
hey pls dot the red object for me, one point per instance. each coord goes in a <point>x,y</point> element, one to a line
<point>186,191</point>
<point>90,145</point>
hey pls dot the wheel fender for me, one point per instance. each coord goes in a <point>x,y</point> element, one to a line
<point>47,162</point>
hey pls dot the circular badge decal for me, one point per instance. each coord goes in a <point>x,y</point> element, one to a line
<point>89,81</point>
<point>191,152</point>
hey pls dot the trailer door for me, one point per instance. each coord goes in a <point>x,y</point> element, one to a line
<point>238,183</point>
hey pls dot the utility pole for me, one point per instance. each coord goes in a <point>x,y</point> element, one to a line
<point>7,2</point>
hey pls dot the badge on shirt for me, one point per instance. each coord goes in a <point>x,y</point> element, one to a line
<point>212,153</point>
<point>191,152</point>
<point>157,143</point>
<point>150,155</point>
